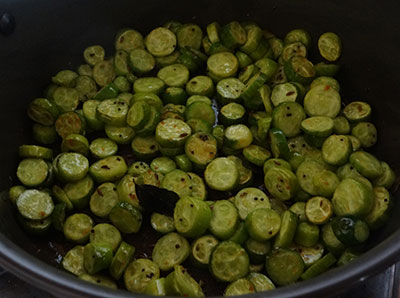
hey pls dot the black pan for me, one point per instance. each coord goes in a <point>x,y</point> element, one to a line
<point>50,36</point>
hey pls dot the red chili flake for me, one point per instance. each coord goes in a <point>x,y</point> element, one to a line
<point>182,135</point>
<point>99,192</point>
<point>327,87</point>
<point>121,39</point>
<point>42,213</point>
<point>132,196</point>
<point>290,93</point>
<point>320,204</point>
<point>105,167</point>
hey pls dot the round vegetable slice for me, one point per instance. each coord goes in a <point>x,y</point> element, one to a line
<point>242,286</point>
<point>121,260</point>
<point>263,224</point>
<point>330,46</point>
<point>238,136</point>
<point>224,219</point>
<point>170,250</point>
<point>160,42</point>
<point>261,282</point>
<point>32,171</point>
<point>367,164</point>
<point>322,100</point>
<point>318,210</point>
<point>229,262</point>
<point>222,65</point>
<point>128,40</point>
<point>162,223</point>
<point>191,217</point>
<point>284,266</point>
<point>77,227</point>
<point>96,257</point>
<point>139,274</point>
<point>222,174</point>
<point>126,217</point>
<point>202,249</point>
<point>107,169</point>
<point>172,132</point>
<point>201,148</point>
<point>351,197</point>
<point>73,260</point>
<point>249,199</point>
<point>107,234</point>
<point>35,204</point>
<point>104,198</point>
<point>281,183</point>
<point>357,111</point>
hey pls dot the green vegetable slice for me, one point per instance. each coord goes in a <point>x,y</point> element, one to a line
<point>224,219</point>
<point>160,42</point>
<point>319,267</point>
<point>330,46</point>
<point>281,183</point>
<point>73,260</point>
<point>222,174</point>
<point>32,171</point>
<point>261,282</point>
<point>128,40</point>
<point>77,228</point>
<point>229,262</point>
<point>322,100</point>
<point>191,217</point>
<point>366,164</point>
<point>139,274</point>
<point>35,204</point>
<point>263,224</point>
<point>172,132</point>
<point>179,282</point>
<point>170,250</point>
<point>202,249</point>
<point>96,257</point>
<point>241,286</point>
<point>222,65</point>
<point>352,197</point>
<point>284,266</point>
<point>121,259</point>
<point>287,230</point>
<point>318,210</point>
